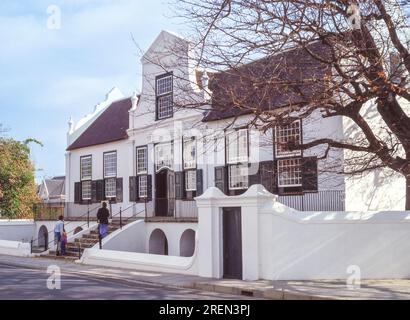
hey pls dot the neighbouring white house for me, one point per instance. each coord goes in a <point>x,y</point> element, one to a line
<point>152,159</point>
<point>52,190</point>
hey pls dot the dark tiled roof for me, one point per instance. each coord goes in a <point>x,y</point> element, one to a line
<point>269,83</point>
<point>110,126</point>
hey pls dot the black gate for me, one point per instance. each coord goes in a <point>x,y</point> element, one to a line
<point>232,243</point>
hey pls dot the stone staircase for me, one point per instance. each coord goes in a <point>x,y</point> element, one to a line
<point>89,240</point>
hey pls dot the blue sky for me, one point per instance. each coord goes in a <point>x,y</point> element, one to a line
<point>48,75</point>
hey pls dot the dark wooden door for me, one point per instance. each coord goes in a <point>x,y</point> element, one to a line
<point>232,243</point>
<point>161,194</point>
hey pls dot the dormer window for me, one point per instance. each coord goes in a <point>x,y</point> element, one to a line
<point>164,96</point>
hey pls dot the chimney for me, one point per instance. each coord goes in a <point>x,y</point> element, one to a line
<point>134,100</point>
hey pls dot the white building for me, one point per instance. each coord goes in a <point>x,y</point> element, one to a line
<point>145,150</point>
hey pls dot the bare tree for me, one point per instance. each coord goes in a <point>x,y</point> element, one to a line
<point>355,55</point>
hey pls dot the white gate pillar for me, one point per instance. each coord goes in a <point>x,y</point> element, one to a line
<point>210,206</point>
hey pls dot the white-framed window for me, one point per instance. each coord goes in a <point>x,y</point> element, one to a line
<point>237,146</point>
<point>86,190</point>
<point>86,168</point>
<point>143,186</point>
<point>164,93</point>
<point>190,180</point>
<point>238,177</point>
<point>165,108</point>
<point>285,135</point>
<point>190,154</point>
<point>164,156</point>
<point>290,172</point>
<point>142,160</point>
<point>110,164</point>
<point>164,84</point>
<point>111,188</point>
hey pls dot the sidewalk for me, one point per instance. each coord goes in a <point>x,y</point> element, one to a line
<point>277,290</point>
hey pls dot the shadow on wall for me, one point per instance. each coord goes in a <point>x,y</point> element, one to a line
<point>158,243</point>
<point>187,243</point>
<point>42,236</point>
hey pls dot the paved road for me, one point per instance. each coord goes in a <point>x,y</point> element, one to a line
<point>17,282</point>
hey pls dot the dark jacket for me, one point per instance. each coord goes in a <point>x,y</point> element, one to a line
<point>103,215</point>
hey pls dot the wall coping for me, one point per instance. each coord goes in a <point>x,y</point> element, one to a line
<point>335,217</point>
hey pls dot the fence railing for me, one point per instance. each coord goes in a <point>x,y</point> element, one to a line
<point>171,208</point>
<point>329,200</point>
<point>70,210</point>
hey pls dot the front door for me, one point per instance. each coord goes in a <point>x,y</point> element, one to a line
<point>161,193</point>
<point>232,243</point>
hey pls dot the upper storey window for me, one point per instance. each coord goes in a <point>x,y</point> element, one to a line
<point>287,136</point>
<point>164,96</point>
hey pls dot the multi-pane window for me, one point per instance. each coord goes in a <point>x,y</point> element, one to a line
<point>110,165</point>
<point>190,180</point>
<point>164,85</point>
<point>86,177</point>
<point>86,190</point>
<point>142,160</point>
<point>110,174</point>
<point>237,146</point>
<point>190,154</point>
<point>287,136</point>
<point>143,186</point>
<point>289,173</point>
<point>111,188</point>
<point>164,93</point>
<point>164,156</point>
<point>237,152</point>
<point>238,177</point>
<point>86,168</point>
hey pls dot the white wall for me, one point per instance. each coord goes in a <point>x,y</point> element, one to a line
<point>280,243</point>
<point>135,237</point>
<point>381,189</point>
<point>17,230</point>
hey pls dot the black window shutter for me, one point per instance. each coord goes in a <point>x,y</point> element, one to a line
<point>100,190</point>
<point>255,178</point>
<point>221,179</point>
<point>199,182</point>
<point>269,176</point>
<point>179,185</point>
<point>119,197</point>
<point>133,189</point>
<point>149,188</point>
<point>94,192</point>
<point>77,192</point>
<point>137,188</point>
<point>309,174</point>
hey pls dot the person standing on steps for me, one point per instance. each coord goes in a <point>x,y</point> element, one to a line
<point>102,216</point>
<point>64,238</point>
<point>58,232</point>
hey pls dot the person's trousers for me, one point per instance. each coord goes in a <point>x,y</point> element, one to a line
<point>63,245</point>
<point>57,240</point>
<point>103,230</point>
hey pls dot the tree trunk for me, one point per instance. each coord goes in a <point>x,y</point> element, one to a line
<point>408,193</point>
